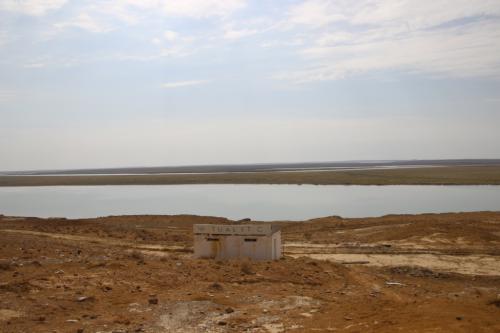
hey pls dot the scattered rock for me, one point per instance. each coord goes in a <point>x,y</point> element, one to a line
<point>275,327</point>
<point>106,288</point>
<point>221,323</point>
<point>153,300</point>
<point>394,283</point>
<point>229,310</point>
<point>85,299</point>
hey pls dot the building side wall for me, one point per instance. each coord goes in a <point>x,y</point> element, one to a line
<point>277,249</point>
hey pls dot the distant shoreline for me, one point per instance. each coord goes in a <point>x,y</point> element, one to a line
<point>449,175</point>
<point>261,167</point>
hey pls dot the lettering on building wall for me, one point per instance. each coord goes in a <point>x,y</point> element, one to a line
<point>216,229</point>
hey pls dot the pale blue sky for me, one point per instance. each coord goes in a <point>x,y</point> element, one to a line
<point>159,82</point>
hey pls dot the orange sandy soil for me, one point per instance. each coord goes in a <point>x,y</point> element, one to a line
<point>411,273</point>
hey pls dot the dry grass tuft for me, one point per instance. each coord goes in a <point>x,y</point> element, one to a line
<point>5,265</point>
<point>495,302</point>
<point>137,255</point>
<point>246,268</point>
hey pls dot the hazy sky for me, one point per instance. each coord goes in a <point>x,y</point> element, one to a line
<point>169,82</point>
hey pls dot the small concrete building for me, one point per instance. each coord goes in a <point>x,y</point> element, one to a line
<point>254,241</point>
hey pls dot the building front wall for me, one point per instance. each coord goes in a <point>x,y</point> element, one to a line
<point>236,246</point>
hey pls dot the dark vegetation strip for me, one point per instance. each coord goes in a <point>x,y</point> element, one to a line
<point>474,175</point>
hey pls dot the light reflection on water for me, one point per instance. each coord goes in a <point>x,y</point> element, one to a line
<point>259,202</point>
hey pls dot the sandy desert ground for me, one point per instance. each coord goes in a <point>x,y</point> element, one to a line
<point>410,273</point>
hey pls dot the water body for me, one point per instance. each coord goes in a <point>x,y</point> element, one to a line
<point>258,202</point>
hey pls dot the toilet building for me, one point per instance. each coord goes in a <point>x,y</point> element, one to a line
<point>254,241</point>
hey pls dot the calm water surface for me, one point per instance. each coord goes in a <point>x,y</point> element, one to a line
<point>259,202</point>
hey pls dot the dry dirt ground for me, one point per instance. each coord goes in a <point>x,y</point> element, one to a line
<point>411,273</point>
